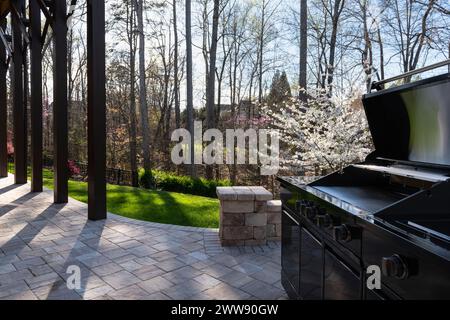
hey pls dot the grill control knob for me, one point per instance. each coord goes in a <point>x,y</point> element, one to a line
<point>394,266</point>
<point>342,233</point>
<point>310,212</point>
<point>323,220</point>
<point>298,206</point>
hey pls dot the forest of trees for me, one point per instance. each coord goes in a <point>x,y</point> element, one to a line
<point>170,62</point>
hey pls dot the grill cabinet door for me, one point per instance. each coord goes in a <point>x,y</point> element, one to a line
<point>311,267</point>
<point>340,282</point>
<point>290,254</point>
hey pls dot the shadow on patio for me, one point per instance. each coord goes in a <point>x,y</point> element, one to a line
<point>120,258</point>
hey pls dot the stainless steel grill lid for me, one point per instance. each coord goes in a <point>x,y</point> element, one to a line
<point>412,122</point>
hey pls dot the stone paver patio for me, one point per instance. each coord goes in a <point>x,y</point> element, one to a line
<point>120,258</point>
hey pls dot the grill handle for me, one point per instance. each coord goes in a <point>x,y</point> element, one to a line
<point>379,84</point>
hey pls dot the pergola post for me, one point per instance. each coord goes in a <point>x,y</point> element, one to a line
<point>96,109</point>
<point>96,99</point>
<point>3,109</point>
<point>36,97</point>
<point>19,111</point>
<point>60,131</point>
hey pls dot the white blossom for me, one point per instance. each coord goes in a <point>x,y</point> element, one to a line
<point>326,133</point>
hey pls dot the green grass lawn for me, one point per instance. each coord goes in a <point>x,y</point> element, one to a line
<point>150,205</point>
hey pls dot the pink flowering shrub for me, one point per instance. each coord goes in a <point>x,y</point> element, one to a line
<point>10,149</point>
<point>74,170</point>
<point>10,146</point>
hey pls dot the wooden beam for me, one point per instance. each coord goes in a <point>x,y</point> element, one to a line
<point>19,12</point>
<point>60,130</point>
<point>5,41</point>
<point>45,10</point>
<point>96,110</point>
<point>19,111</point>
<point>36,97</point>
<point>3,109</point>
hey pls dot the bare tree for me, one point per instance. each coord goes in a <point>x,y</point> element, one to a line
<point>175,66</point>
<point>335,16</point>
<point>367,53</point>
<point>210,86</point>
<point>189,87</point>
<point>266,32</point>
<point>412,30</point>
<point>143,88</point>
<point>325,22</point>
<point>302,82</point>
<point>124,16</point>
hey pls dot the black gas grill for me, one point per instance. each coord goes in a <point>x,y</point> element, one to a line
<point>390,213</point>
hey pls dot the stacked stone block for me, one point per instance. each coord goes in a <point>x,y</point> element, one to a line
<point>248,216</point>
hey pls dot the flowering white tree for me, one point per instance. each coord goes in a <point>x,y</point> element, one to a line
<point>323,132</point>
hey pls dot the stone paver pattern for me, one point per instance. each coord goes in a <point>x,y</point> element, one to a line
<point>121,258</point>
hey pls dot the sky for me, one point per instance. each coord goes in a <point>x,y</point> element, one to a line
<point>285,45</point>
<point>289,47</point>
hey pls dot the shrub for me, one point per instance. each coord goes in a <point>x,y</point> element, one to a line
<point>74,170</point>
<point>10,146</point>
<point>168,181</point>
<point>146,180</point>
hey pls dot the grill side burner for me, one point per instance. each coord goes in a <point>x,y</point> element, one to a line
<point>389,212</point>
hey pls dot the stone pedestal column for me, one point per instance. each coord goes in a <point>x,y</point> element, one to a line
<point>248,216</point>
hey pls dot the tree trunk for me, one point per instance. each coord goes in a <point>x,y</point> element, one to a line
<point>175,67</point>
<point>189,89</point>
<point>205,36</point>
<point>210,88</point>
<point>167,113</point>
<point>142,88</point>
<point>133,143</point>
<point>303,47</point>
<point>220,75</point>
<point>261,55</point>
<point>367,58</point>
<point>338,6</point>
<point>421,40</point>
<point>380,44</point>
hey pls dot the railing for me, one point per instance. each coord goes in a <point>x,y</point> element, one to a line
<point>113,176</point>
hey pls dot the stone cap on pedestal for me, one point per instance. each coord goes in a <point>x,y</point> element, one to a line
<point>274,206</point>
<point>243,193</point>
